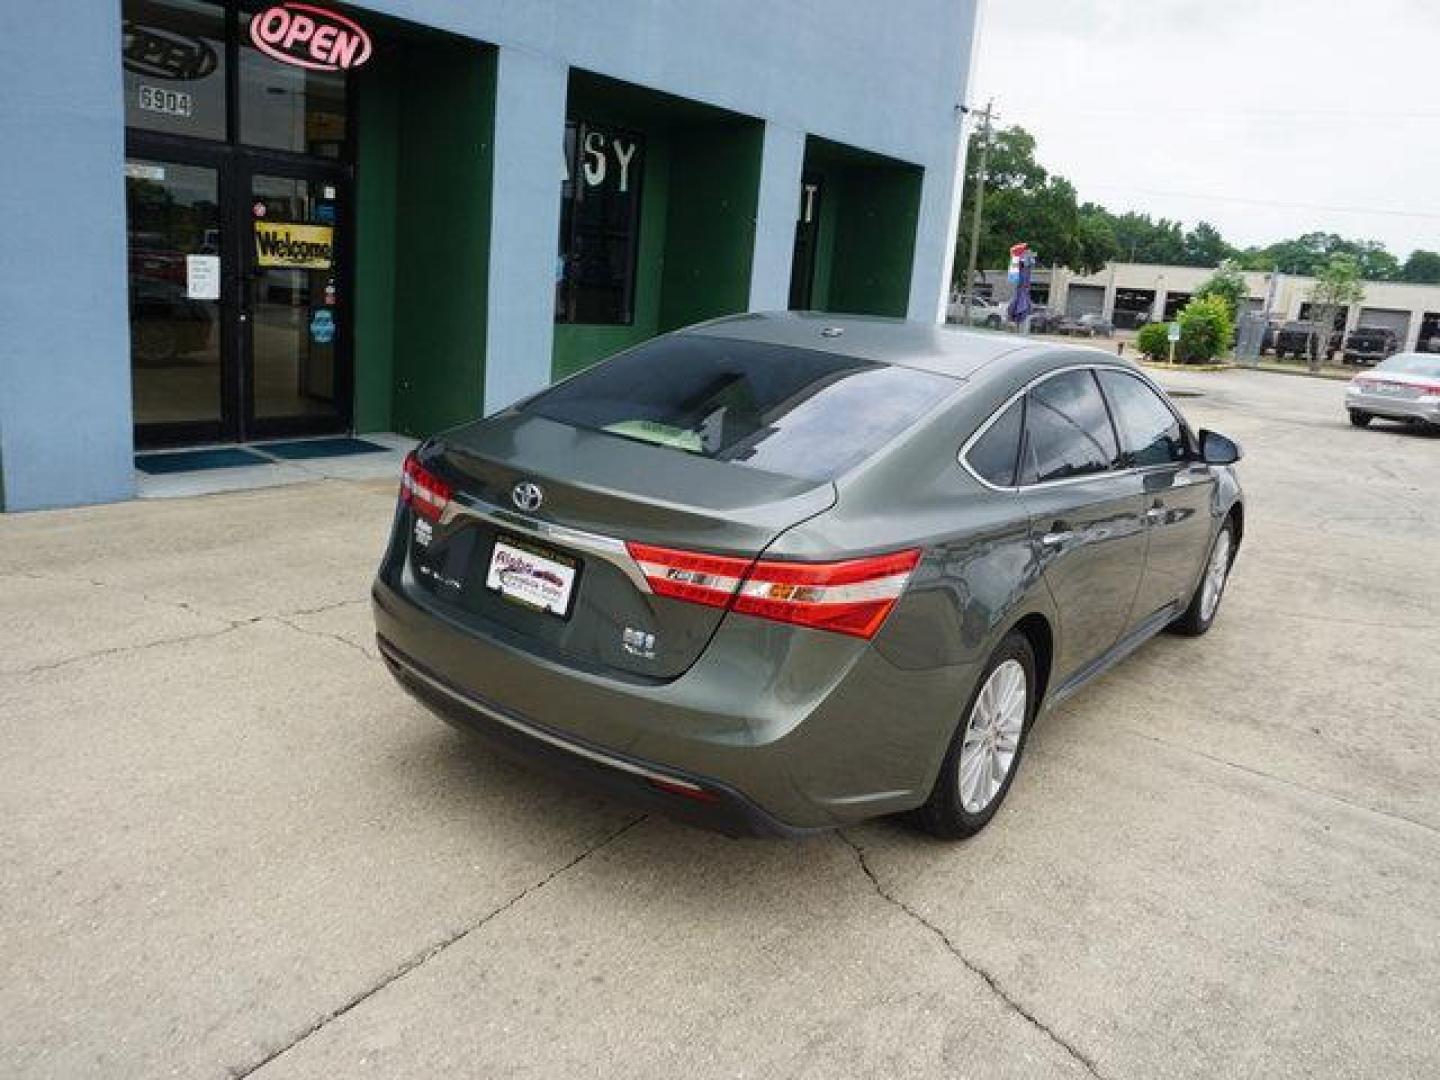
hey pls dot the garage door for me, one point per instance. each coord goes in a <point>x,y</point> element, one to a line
<point>1085,300</point>
<point>1386,319</point>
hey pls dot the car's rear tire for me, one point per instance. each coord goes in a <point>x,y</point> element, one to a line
<point>1360,418</point>
<point>985,752</point>
<point>1210,590</point>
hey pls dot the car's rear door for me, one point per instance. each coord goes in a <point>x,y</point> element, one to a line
<point>1086,515</point>
<point>1177,491</point>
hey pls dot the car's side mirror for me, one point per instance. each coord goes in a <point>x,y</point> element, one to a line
<point>1216,449</point>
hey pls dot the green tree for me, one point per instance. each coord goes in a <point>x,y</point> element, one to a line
<point>1025,202</point>
<point>1206,329</point>
<point>1422,268</point>
<point>1311,253</point>
<point>1228,283</point>
<point>1204,246</point>
<point>1337,286</point>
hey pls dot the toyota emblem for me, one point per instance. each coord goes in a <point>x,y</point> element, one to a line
<point>527,496</point>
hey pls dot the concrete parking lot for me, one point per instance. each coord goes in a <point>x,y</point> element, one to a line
<point>229,846</point>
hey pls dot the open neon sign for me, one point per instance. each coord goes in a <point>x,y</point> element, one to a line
<point>310,37</point>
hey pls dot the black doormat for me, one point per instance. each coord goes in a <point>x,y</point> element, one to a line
<point>224,457</point>
<point>301,449</point>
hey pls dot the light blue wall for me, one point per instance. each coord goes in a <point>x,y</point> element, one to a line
<point>65,432</point>
<point>781,163</point>
<point>882,77</point>
<point>524,224</point>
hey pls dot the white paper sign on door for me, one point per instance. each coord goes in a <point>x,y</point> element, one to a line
<point>202,277</point>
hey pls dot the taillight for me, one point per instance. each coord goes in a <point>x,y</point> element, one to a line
<point>854,596</point>
<point>423,490</point>
<point>685,575</point>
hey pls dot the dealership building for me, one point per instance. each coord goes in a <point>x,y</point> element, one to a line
<point>1132,294</point>
<point>231,223</point>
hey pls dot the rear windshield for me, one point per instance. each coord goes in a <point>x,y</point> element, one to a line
<point>1412,364</point>
<point>795,412</point>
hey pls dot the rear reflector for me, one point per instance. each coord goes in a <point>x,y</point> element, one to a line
<point>849,597</point>
<point>423,490</point>
<point>688,791</point>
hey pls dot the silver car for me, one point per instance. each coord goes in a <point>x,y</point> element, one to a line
<point>1404,387</point>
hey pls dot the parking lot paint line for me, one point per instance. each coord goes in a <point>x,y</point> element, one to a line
<point>427,954</point>
<point>1077,1055</point>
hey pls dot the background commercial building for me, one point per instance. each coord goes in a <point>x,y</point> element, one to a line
<point>1132,294</point>
<point>231,222</point>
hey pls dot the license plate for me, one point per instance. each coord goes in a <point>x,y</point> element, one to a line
<point>539,579</point>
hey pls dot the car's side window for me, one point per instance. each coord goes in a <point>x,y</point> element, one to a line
<point>996,454</point>
<point>1067,430</point>
<point>1150,431</point>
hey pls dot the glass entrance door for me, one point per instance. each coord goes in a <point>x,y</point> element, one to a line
<point>177,320</point>
<point>294,318</point>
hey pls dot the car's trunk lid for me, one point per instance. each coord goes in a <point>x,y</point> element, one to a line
<point>597,491</point>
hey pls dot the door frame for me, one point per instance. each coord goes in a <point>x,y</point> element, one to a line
<point>234,166</point>
<point>162,149</point>
<point>247,163</point>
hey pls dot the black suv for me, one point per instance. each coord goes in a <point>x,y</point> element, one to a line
<point>1370,345</point>
<point>1293,339</point>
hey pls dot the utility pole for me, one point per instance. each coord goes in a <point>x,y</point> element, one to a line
<point>985,119</point>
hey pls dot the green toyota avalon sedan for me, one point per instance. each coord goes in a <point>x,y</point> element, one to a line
<point>781,572</point>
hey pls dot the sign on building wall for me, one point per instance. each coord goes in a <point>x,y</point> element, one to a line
<point>599,224</point>
<point>309,36</point>
<point>288,243</point>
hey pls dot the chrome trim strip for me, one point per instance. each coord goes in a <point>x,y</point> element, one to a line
<point>963,455</point>
<point>525,729</point>
<point>608,548</point>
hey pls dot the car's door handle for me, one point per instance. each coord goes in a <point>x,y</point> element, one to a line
<point>1058,537</point>
<point>1155,513</point>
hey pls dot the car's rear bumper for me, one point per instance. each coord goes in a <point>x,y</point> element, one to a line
<point>789,730</point>
<point>1393,408</point>
<point>701,801</point>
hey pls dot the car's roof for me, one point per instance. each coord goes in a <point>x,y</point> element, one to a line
<point>945,350</point>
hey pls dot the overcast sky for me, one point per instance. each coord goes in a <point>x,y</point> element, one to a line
<point>1269,118</point>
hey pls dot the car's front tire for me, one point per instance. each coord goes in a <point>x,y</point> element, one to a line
<point>1360,418</point>
<point>985,752</point>
<point>1210,590</point>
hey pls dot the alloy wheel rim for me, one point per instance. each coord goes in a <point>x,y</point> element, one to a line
<point>992,736</point>
<point>1215,575</point>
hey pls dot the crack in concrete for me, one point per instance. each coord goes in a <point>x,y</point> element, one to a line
<point>52,665</point>
<point>428,954</point>
<point>1281,780</point>
<point>1077,1055</point>
<point>282,617</point>
<point>341,638</point>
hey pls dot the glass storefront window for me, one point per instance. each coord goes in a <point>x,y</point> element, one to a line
<point>173,214</point>
<point>599,225</point>
<point>173,57</point>
<point>283,107</point>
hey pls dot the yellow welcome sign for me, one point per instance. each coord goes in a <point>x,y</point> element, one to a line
<point>288,243</point>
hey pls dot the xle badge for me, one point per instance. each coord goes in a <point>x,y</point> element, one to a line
<point>638,643</point>
<point>423,532</point>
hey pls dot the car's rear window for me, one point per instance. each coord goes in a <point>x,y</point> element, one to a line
<point>795,412</point>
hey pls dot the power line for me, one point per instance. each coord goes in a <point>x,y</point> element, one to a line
<point>1286,203</point>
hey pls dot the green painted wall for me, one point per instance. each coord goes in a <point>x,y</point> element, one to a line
<point>710,230</point>
<point>869,214</point>
<point>423,174</point>
<point>879,212</point>
<point>377,118</point>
